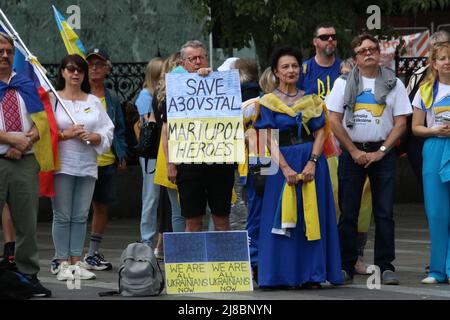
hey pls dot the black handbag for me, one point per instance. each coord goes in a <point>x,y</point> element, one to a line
<point>148,144</point>
<point>259,180</point>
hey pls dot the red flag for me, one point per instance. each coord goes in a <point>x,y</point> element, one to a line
<point>46,182</point>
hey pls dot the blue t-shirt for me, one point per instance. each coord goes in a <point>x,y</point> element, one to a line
<point>144,102</point>
<point>315,79</point>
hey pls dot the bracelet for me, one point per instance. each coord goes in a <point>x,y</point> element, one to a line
<point>314,158</point>
<point>61,135</point>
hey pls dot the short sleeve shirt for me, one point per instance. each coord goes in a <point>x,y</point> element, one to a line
<point>373,121</point>
<point>441,105</point>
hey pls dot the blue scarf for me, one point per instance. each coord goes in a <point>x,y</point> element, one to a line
<point>27,90</point>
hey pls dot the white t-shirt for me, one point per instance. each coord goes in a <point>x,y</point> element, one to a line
<point>373,122</point>
<point>441,105</point>
<point>25,118</point>
<point>78,158</point>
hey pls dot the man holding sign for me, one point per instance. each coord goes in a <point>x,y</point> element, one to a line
<point>189,162</point>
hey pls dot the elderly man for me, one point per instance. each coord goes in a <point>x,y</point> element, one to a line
<point>199,184</point>
<point>368,115</point>
<point>22,122</point>
<point>105,188</point>
<point>319,73</point>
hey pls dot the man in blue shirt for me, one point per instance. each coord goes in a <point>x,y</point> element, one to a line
<point>319,73</point>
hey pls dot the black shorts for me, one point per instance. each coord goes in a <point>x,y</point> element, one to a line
<point>199,184</point>
<point>105,186</point>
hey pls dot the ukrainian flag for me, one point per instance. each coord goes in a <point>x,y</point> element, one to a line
<point>71,41</point>
<point>366,101</point>
<point>442,106</point>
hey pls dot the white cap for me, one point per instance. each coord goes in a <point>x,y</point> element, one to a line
<point>227,64</point>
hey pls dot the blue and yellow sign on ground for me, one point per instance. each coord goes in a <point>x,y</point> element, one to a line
<point>199,262</point>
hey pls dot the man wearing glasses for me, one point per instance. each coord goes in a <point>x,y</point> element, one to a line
<point>368,115</point>
<point>319,73</point>
<point>105,187</point>
<point>200,184</point>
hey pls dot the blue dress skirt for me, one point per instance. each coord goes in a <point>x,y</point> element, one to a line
<point>293,261</point>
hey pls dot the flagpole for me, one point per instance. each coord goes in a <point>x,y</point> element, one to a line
<point>39,67</point>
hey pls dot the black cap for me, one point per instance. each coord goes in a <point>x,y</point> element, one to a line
<point>102,54</point>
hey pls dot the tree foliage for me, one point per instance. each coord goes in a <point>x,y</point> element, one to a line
<point>270,23</point>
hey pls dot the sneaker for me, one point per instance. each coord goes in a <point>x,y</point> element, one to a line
<point>429,280</point>
<point>159,254</point>
<point>55,266</point>
<point>65,272</point>
<point>388,277</point>
<point>81,271</point>
<point>346,277</point>
<point>360,266</point>
<point>38,289</point>
<point>427,270</point>
<point>97,262</point>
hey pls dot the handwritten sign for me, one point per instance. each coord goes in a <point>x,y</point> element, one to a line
<point>199,262</point>
<point>205,118</point>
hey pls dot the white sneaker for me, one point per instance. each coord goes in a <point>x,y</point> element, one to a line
<point>158,254</point>
<point>429,280</point>
<point>81,271</point>
<point>65,272</point>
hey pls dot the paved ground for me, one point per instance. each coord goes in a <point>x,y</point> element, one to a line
<point>412,244</point>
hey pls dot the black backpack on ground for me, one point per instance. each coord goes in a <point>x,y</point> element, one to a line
<point>14,285</point>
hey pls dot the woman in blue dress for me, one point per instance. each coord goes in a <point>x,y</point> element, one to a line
<point>297,247</point>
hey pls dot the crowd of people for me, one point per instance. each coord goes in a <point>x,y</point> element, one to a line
<point>338,123</point>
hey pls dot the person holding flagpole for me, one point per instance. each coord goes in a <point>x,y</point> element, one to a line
<point>24,141</point>
<point>75,181</point>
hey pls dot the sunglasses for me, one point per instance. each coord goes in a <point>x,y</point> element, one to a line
<point>71,68</point>
<point>326,37</point>
<point>368,49</point>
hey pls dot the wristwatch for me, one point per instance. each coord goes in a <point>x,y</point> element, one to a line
<point>314,158</point>
<point>384,149</point>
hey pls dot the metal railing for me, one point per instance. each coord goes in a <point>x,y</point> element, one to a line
<point>126,79</point>
<point>405,67</point>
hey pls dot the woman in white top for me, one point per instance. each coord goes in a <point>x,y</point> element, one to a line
<point>432,102</point>
<point>79,145</point>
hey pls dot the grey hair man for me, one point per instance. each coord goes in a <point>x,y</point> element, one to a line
<point>200,184</point>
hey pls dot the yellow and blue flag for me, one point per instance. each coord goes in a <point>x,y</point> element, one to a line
<point>71,41</point>
<point>34,91</point>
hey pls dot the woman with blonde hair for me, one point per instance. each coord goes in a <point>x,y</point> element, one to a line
<point>267,81</point>
<point>171,64</point>
<point>150,191</point>
<point>432,102</point>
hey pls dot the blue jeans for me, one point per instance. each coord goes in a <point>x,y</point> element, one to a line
<point>437,207</point>
<point>178,221</point>
<point>351,182</point>
<point>70,212</point>
<point>150,198</point>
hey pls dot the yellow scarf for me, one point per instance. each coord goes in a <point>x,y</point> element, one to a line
<point>311,106</point>
<point>310,210</point>
<point>426,93</point>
